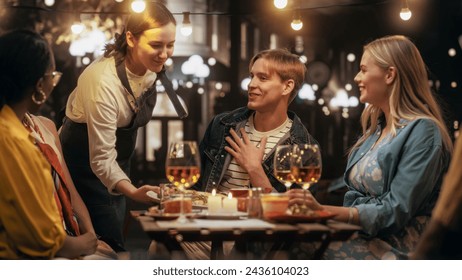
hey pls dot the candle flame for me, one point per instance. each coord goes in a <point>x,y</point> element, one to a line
<point>230,195</point>
<point>214,192</point>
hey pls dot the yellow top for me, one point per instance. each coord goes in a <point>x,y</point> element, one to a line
<point>30,225</point>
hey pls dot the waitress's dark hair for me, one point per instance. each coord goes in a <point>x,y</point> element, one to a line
<point>25,56</point>
<point>155,15</point>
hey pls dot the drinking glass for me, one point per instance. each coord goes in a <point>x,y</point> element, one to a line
<point>182,167</point>
<point>284,167</point>
<point>309,164</point>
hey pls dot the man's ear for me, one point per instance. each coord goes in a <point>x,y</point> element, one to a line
<point>131,40</point>
<point>288,86</point>
<point>391,75</point>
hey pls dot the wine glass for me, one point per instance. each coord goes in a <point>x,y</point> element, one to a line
<point>182,168</point>
<point>284,168</point>
<point>309,164</point>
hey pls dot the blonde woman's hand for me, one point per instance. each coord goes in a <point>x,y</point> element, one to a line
<point>296,196</point>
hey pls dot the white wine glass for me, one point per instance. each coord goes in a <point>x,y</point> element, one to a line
<point>284,165</point>
<point>182,168</point>
<point>309,165</point>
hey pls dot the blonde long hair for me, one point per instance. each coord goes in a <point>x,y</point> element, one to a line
<point>410,97</point>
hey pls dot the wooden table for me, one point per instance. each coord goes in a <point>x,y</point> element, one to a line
<point>280,235</point>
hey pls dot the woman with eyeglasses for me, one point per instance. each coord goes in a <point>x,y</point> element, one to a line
<point>35,221</point>
<point>113,98</point>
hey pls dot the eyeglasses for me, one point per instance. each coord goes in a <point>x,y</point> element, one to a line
<point>55,77</point>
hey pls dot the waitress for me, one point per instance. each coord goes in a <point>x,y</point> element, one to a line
<point>115,95</point>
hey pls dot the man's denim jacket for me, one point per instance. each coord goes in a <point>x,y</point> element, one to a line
<point>215,160</point>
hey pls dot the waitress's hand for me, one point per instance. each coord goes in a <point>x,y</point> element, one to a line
<point>137,194</point>
<point>140,194</point>
<point>296,196</point>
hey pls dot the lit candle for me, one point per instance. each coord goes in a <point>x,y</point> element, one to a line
<point>230,204</point>
<point>214,203</point>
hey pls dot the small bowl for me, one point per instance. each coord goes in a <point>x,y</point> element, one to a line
<point>240,192</point>
<point>274,204</point>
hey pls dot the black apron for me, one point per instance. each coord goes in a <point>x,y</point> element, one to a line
<point>107,211</point>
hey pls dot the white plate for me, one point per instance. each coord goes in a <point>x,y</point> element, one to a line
<point>222,216</point>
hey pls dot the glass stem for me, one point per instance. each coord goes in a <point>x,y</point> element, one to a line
<point>182,218</point>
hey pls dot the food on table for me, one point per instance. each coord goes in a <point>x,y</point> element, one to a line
<point>274,204</point>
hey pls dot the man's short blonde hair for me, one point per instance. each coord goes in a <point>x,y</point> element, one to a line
<point>286,65</point>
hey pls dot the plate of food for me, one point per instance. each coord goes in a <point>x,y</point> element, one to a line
<point>161,215</point>
<point>199,199</point>
<point>309,217</point>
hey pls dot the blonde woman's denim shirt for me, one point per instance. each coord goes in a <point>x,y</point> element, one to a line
<point>413,164</point>
<point>215,160</point>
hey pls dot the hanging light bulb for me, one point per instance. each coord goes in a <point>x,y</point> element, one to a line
<point>138,6</point>
<point>405,13</point>
<point>49,3</point>
<point>296,23</point>
<point>186,28</point>
<point>280,4</point>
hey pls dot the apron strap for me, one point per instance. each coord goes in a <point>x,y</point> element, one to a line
<point>181,112</point>
<point>122,74</point>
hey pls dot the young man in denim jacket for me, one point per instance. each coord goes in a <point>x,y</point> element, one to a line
<point>238,147</point>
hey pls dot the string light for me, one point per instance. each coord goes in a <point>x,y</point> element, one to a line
<point>49,3</point>
<point>405,13</point>
<point>186,28</point>
<point>296,23</point>
<point>280,4</point>
<point>138,6</point>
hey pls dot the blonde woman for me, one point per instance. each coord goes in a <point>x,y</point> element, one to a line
<point>394,171</point>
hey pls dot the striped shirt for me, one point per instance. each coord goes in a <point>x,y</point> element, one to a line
<point>237,177</point>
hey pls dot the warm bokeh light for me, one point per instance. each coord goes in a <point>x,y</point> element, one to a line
<point>186,30</point>
<point>280,4</point>
<point>296,24</point>
<point>138,6</point>
<point>212,61</point>
<point>86,60</point>
<point>186,27</point>
<point>49,3</point>
<point>306,93</point>
<point>405,14</point>
<point>77,27</point>
<point>351,57</point>
<point>245,83</point>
